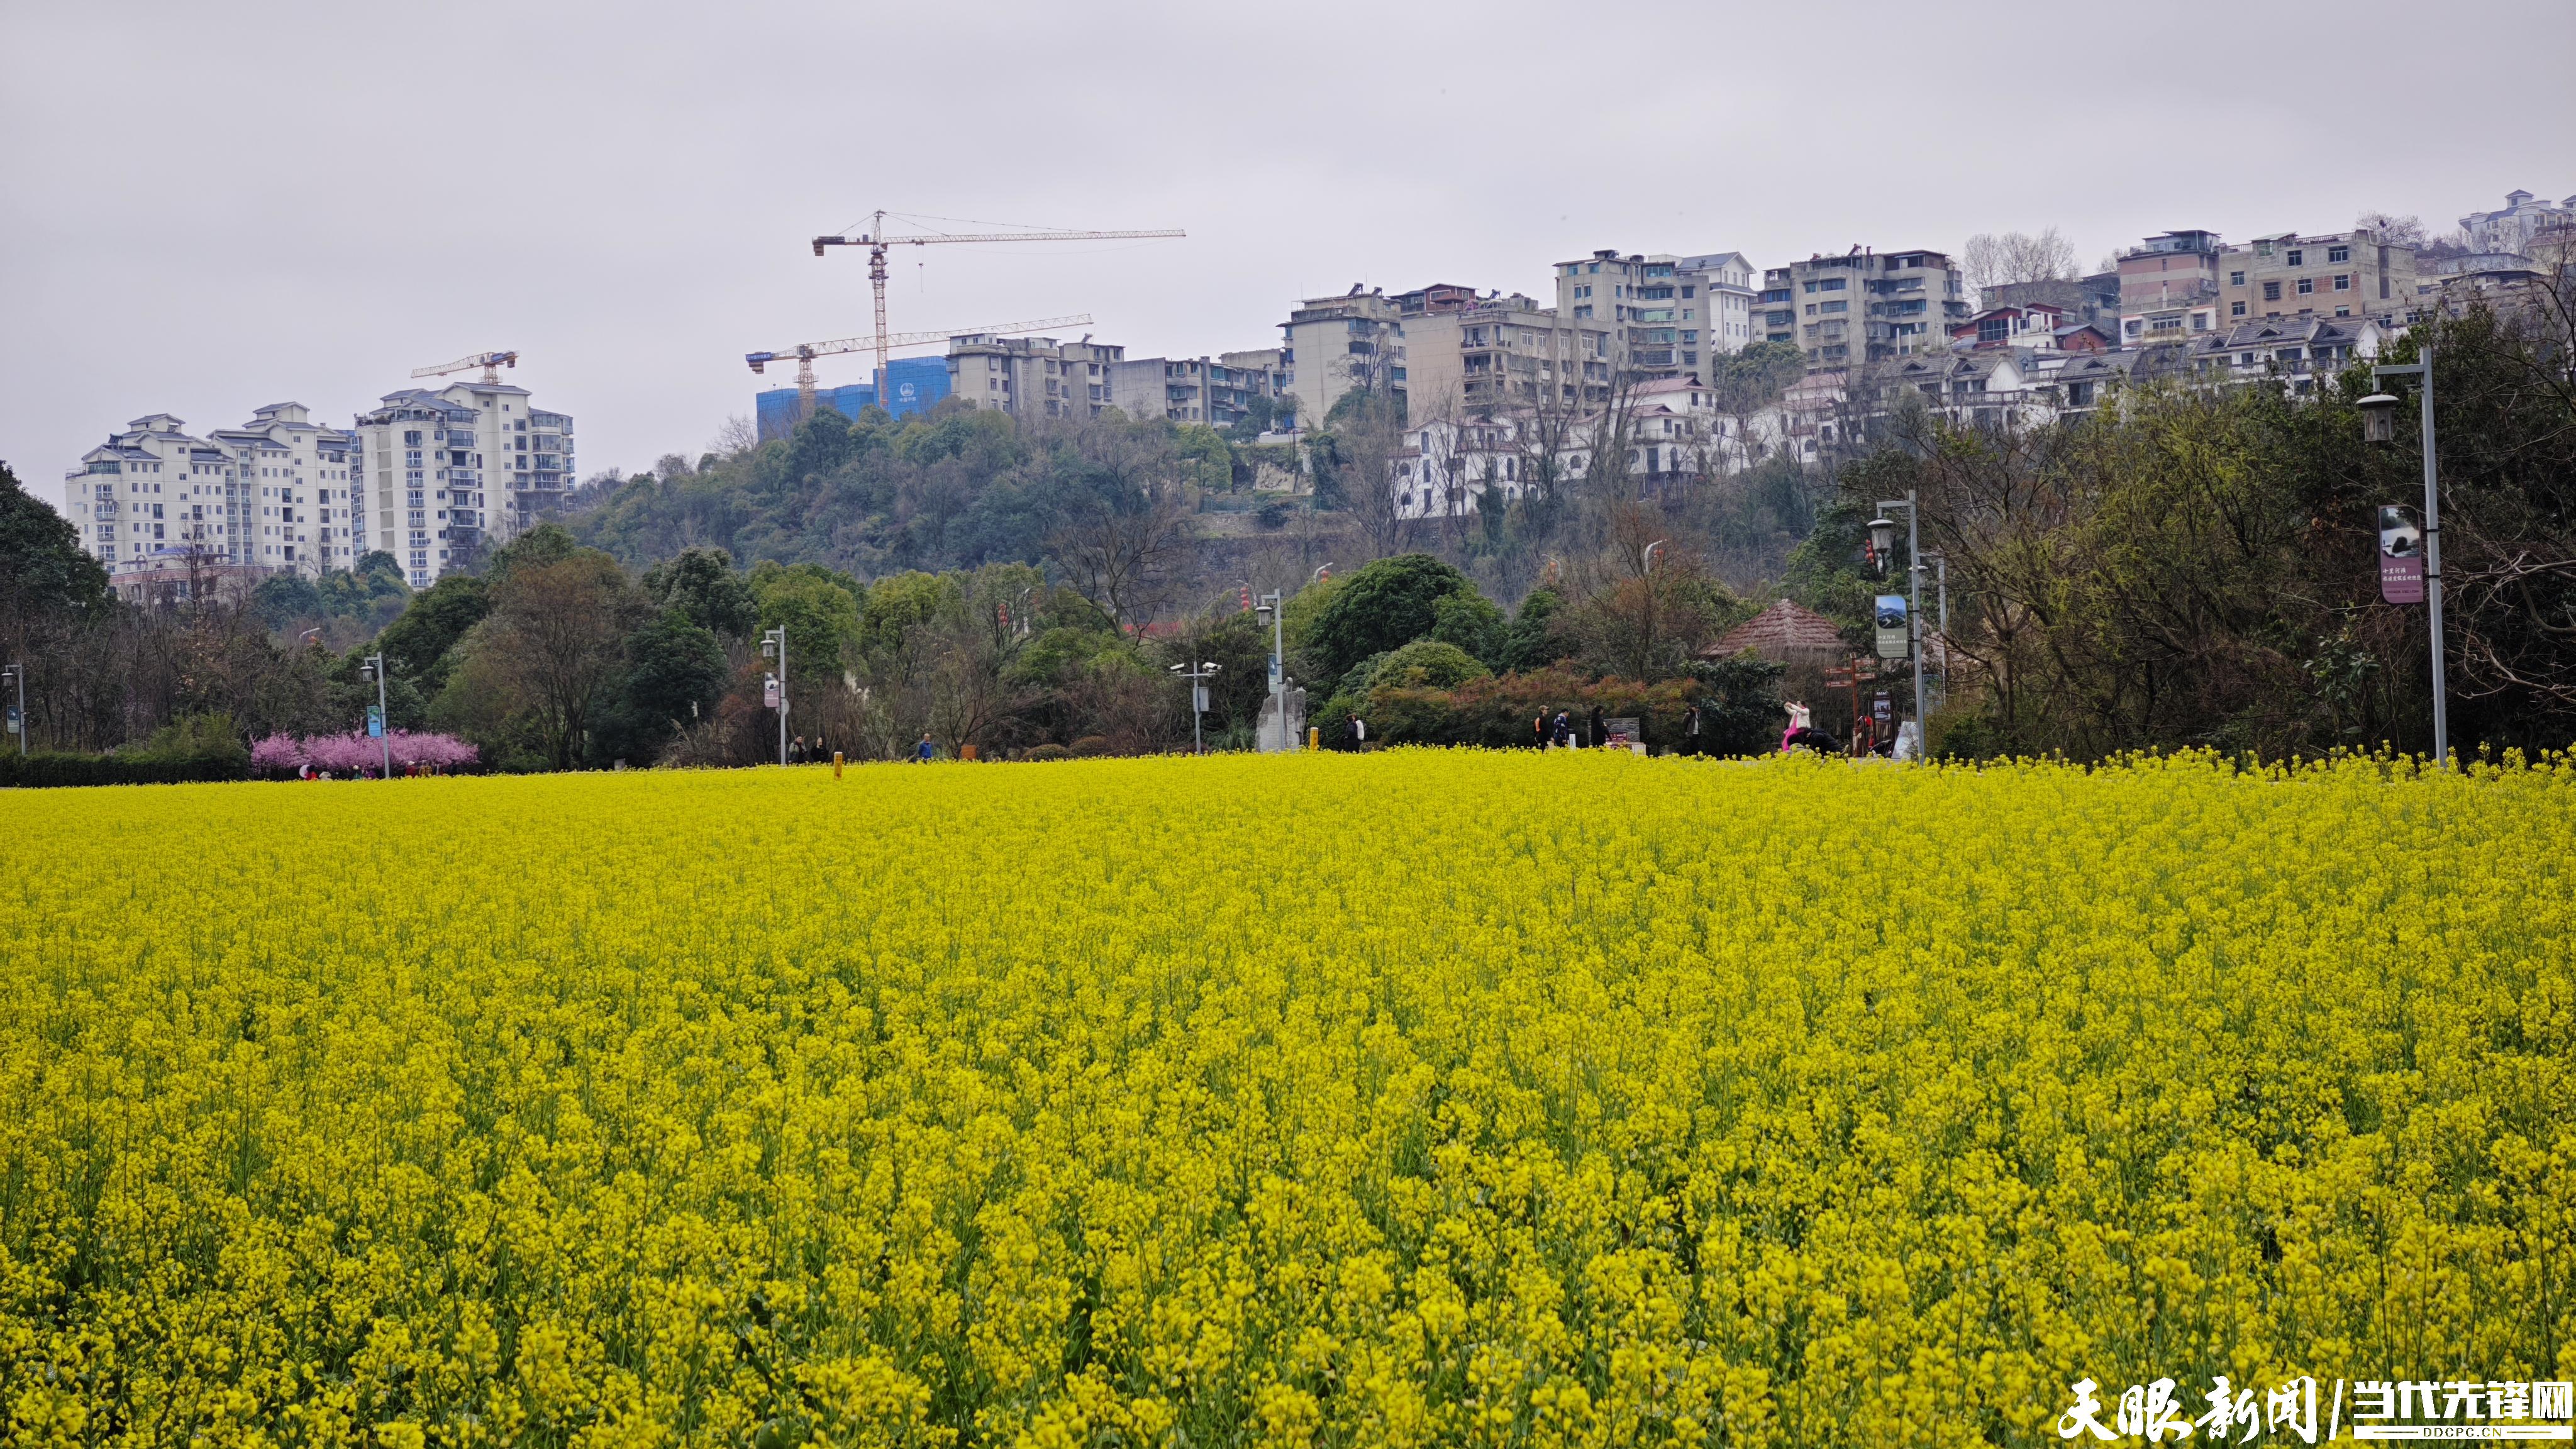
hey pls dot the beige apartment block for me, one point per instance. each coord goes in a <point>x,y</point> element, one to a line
<point>1336,345</point>
<point>2339,274</point>
<point>1032,377</point>
<point>1863,305</point>
<point>1189,389</point>
<point>1502,352</point>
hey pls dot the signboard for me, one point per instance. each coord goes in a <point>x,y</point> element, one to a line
<point>2401,555</point>
<point>769,691</point>
<point>1274,675</point>
<point>1198,698</point>
<point>1882,707</point>
<point>13,719</point>
<point>1893,641</point>
<point>375,722</point>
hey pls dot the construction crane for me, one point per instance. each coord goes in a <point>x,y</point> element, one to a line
<point>876,241</point>
<point>806,352</point>
<point>490,362</point>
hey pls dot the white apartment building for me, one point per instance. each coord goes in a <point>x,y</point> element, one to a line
<point>274,494</point>
<point>1491,353</point>
<point>451,472</point>
<point>2520,224</point>
<point>1672,430</point>
<point>1863,305</point>
<point>1719,288</point>
<point>1033,377</point>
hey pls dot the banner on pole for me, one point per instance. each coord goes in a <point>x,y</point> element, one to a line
<point>1892,640</point>
<point>375,722</point>
<point>769,691</point>
<point>2401,555</point>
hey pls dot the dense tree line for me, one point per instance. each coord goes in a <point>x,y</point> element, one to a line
<point>2199,568</point>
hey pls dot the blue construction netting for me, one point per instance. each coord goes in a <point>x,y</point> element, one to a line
<point>916,385</point>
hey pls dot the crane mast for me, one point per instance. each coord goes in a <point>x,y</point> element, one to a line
<point>877,241</point>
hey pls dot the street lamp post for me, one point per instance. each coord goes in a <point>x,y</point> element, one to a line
<point>1198,699</point>
<point>1882,537</point>
<point>373,666</point>
<point>1940,563</point>
<point>773,645</point>
<point>16,674</point>
<point>2379,425</point>
<point>1272,604</point>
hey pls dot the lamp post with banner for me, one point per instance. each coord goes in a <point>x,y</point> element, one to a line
<point>1275,606</point>
<point>373,667</point>
<point>16,675</point>
<point>773,690</point>
<point>2379,425</point>
<point>1882,538</point>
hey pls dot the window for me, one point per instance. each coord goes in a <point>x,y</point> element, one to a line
<point>1993,329</point>
<point>2338,254</point>
<point>2343,281</point>
<point>2235,309</point>
<point>2271,291</point>
<point>2262,249</point>
<point>1832,307</point>
<point>2307,285</point>
<point>2298,259</point>
<point>2236,279</point>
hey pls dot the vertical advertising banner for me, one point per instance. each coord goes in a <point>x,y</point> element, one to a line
<point>769,691</point>
<point>2401,555</point>
<point>1892,640</point>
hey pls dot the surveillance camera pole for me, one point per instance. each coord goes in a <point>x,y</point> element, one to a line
<point>2423,366</point>
<point>1194,674</point>
<point>773,645</point>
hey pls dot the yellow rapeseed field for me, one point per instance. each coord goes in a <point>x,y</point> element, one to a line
<point>1403,1099</point>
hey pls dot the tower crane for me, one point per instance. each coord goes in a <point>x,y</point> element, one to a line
<point>806,352</point>
<point>876,240</point>
<point>490,362</point>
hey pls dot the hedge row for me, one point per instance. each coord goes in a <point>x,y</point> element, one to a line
<point>55,770</point>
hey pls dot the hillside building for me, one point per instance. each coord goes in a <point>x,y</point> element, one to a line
<point>1032,377</point>
<point>452,472</point>
<point>274,494</point>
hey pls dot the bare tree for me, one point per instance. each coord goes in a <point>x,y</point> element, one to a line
<point>1995,260</point>
<point>738,435</point>
<point>1118,552</point>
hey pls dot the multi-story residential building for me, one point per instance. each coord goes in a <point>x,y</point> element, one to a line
<point>1862,305</point>
<point>1032,377</point>
<point>2520,224</point>
<point>2341,274</point>
<point>1333,346</point>
<point>447,473</point>
<point>274,494</point>
<point>2169,289</point>
<point>1500,352</point>
<point>1188,389</point>
<point>1656,315</point>
<point>1717,295</point>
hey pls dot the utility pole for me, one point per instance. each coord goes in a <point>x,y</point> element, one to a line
<point>374,665</point>
<point>1272,604</point>
<point>2376,410</point>
<point>773,645</point>
<point>17,674</point>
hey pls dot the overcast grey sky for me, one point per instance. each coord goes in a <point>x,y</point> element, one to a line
<point>205,207</point>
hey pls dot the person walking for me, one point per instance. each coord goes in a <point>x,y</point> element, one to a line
<point>1538,729</point>
<point>1690,730</point>
<point>925,752</point>
<point>1600,731</point>
<point>1563,734</point>
<point>1354,732</point>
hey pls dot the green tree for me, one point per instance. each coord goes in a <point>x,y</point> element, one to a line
<point>43,568</point>
<point>703,585</point>
<point>1383,605</point>
<point>418,645</point>
<point>675,673</point>
<point>1532,641</point>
